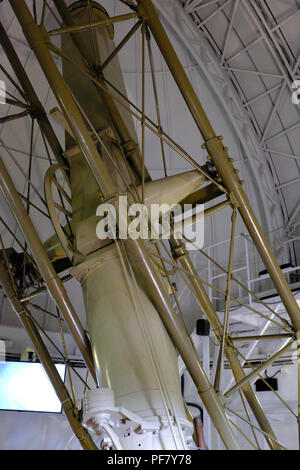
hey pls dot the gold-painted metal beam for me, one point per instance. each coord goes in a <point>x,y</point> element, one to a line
<point>261,337</point>
<point>227,304</point>
<point>120,45</point>
<point>191,220</point>
<point>43,290</point>
<point>92,25</point>
<point>13,117</point>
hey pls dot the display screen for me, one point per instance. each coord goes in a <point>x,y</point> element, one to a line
<point>24,386</point>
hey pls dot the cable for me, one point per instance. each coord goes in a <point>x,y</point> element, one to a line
<point>195,405</point>
<point>113,437</point>
<point>272,376</point>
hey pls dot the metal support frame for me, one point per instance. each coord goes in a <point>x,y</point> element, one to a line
<point>37,38</point>
<point>218,154</point>
<point>220,158</point>
<point>38,41</point>
<point>95,24</point>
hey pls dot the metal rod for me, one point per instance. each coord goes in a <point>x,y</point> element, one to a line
<point>143,110</point>
<point>43,290</point>
<point>46,360</point>
<point>155,92</point>
<point>30,166</point>
<point>257,371</point>
<point>248,416</point>
<point>242,433</point>
<point>60,320</point>
<point>255,427</point>
<point>52,280</point>
<point>19,104</point>
<point>227,304</point>
<point>13,117</point>
<point>121,45</point>
<point>262,337</point>
<point>94,24</point>
<point>190,220</point>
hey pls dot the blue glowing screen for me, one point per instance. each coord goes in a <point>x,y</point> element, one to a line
<point>24,386</point>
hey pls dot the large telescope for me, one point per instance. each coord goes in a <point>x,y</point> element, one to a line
<point>135,336</point>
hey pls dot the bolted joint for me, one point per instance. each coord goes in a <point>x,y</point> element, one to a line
<point>214,145</point>
<point>36,113</point>
<point>178,251</point>
<point>222,398</point>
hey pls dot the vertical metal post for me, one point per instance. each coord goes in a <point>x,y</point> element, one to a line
<point>220,367</point>
<point>248,270</point>
<point>206,368</point>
